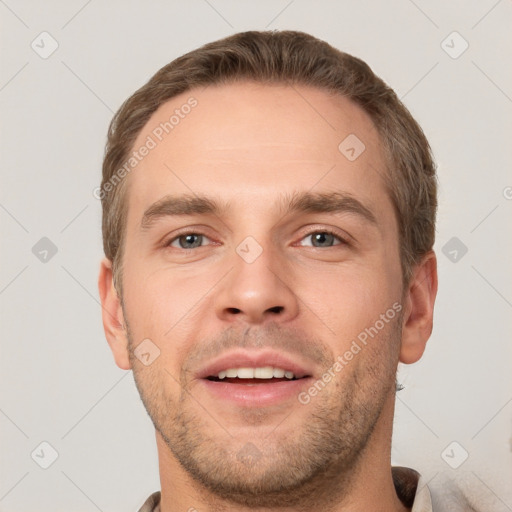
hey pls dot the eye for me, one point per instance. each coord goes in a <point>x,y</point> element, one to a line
<point>187,241</point>
<point>322,239</point>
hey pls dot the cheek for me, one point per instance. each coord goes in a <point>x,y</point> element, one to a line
<point>350,298</point>
<point>165,305</point>
<point>157,310</point>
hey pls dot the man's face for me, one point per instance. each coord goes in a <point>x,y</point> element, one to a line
<point>276,250</point>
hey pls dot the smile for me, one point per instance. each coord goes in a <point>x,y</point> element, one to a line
<point>255,392</point>
<point>262,374</point>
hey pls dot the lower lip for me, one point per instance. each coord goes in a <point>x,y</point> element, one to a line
<point>257,395</point>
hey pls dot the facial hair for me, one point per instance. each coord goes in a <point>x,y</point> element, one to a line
<point>318,459</point>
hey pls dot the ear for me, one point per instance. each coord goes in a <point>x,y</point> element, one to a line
<point>112,315</point>
<point>419,301</point>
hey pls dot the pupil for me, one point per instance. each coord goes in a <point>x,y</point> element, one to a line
<point>323,239</point>
<point>190,241</point>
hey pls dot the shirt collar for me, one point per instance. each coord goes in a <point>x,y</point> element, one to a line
<point>411,489</point>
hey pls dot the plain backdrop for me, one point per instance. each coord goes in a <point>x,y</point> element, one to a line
<point>58,382</point>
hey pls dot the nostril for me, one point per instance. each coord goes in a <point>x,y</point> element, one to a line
<point>275,309</point>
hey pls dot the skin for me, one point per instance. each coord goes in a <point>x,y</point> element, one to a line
<point>250,147</point>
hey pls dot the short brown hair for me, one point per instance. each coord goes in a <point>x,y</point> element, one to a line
<point>287,57</point>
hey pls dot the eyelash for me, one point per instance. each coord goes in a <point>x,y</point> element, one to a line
<point>327,231</point>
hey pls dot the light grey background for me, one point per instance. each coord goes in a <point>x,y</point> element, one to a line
<point>58,381</point>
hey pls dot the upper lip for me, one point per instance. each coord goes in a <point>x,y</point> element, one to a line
<point>252,359</point>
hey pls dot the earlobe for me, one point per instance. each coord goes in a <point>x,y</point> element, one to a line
<point>419,309</point>
<point>112,316</point>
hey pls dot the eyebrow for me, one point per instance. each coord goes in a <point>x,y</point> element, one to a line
<point>330,202</point>
<point>305,202</point>
<point>170,206</point>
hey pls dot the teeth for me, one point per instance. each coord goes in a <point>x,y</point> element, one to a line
<point>246,373</point>
<point>265,372</point>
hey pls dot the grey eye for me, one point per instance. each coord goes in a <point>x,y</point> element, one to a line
<point>189,241</point>
<point>321,239</point>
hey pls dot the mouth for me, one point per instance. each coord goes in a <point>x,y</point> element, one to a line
<point>253,376</point>
<point>255,379</point>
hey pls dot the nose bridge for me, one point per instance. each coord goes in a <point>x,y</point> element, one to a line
<point>257,287</point>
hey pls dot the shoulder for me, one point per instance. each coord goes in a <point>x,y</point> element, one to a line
<point>464,492</point>
<point>152,504</point>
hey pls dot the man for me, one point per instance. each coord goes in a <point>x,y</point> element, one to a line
<point>268,223</point>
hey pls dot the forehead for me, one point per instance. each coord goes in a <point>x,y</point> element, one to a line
<point>248,140</point>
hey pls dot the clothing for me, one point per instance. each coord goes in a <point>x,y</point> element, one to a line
<point>152,504</point>
<point>409,485</point>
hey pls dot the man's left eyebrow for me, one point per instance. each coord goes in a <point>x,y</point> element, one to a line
<point>331,202</point>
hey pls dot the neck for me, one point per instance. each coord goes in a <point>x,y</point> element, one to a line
<point>368,484</point>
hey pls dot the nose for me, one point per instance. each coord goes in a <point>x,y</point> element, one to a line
<point>256,292</point>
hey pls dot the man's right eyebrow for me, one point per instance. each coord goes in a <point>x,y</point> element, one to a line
<point>178,205</point>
